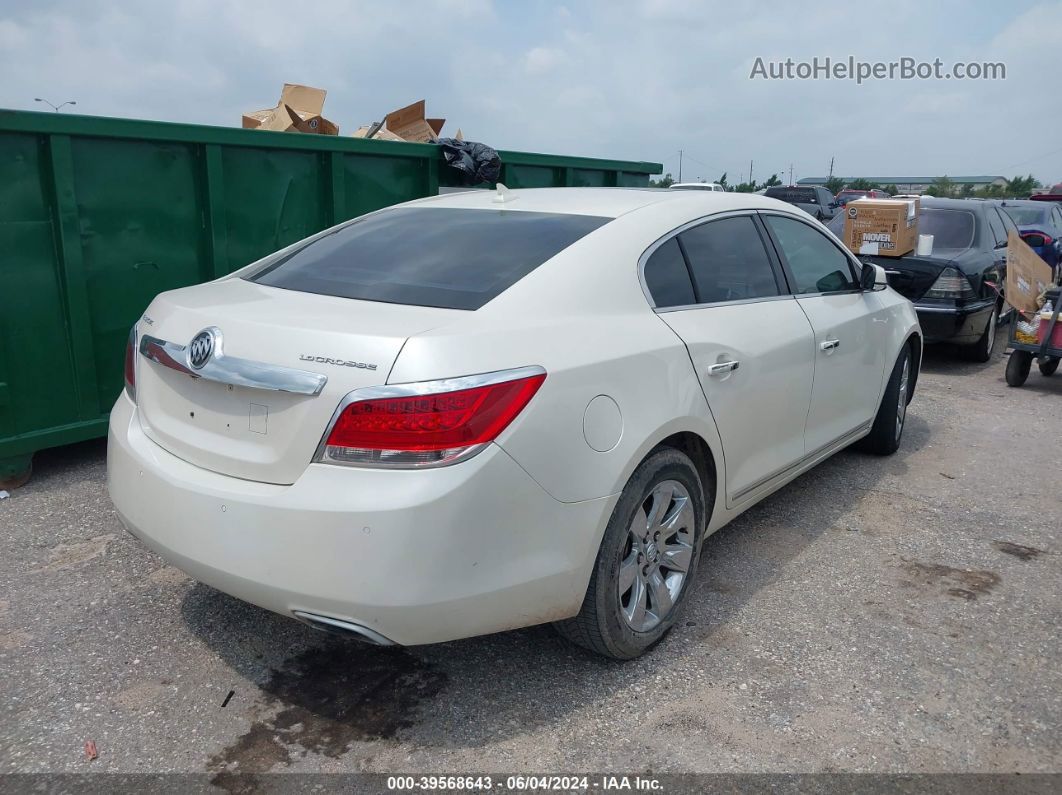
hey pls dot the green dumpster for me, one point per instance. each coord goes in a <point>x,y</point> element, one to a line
<point>99,215</point>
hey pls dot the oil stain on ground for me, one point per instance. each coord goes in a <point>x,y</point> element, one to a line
<point>960,583</point>
<point>328,697</point>
<point>1017,550</point>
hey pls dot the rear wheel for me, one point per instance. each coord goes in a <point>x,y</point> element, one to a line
<point>1048,366</point>
<point>884,436</point>
<point>647,559</point>
<point>1018,367</point>
<point>981,351</point>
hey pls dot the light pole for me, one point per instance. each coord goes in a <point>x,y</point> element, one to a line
<point>55,107</point>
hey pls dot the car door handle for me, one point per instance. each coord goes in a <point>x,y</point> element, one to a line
<point>829,345</point>
<point>723,368</point>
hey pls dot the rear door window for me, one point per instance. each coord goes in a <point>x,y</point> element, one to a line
<point>667,277</point>
<point>728,261</point>
<point>446,257</point>
<point>995,223</point>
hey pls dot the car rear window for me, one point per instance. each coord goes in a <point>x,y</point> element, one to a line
<point>446,257</point>
<point>1026,215</point>
<point>950,228</point>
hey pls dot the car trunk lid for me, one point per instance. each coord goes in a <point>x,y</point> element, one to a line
<point>911,276</point>
<point>258,407</point>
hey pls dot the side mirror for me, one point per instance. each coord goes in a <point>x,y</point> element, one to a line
<point>873,277</point>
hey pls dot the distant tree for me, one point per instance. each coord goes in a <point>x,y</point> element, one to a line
<point>664,182</point>
<point>891,188</point>
<point>967,190</point>
<point>1021,187</point>
<point>772,181</point>
<point>991,192</point>
<point>834,185</point>
<point>745,187</point>
<point>942,186</point>
<point>722,181</point>
<point>862,184</point>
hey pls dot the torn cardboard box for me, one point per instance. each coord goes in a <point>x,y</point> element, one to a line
<point>881,227</point>
<point>1027,275</point>
<point>405,124</point>
<point>299,110</point>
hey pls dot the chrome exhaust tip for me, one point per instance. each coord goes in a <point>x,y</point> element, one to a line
<point>337,626</point>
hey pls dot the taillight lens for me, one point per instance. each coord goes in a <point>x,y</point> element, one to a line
<point>130,365</point>
<point>951,284</point>
<point>1037,239</point>
<point>433,423</point>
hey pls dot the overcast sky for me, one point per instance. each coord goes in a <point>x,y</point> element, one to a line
<point>637,80</point>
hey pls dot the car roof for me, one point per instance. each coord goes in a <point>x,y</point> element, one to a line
<point>602,202</point>
<point>1025,203</point>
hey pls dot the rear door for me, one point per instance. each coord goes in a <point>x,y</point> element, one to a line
<point>849,327</point>
<point>716,285</point>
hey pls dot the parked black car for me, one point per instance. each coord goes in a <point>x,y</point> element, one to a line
<point>816,202</point>
<point>952,288</point>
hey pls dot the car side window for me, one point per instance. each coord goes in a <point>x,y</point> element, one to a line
<point>996,225</point>
<point>1008,223</point>
<point>1057,217</point>
<point>667,277</point>
<point>728,261</point>
<point>817,265</point>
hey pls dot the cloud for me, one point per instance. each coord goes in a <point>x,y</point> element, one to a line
<point>596,78</point>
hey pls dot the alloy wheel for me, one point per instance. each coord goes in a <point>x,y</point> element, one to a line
<point>901,400</point>
<point>656,556</point>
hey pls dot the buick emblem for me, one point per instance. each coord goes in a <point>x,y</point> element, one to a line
<point>201,348</point>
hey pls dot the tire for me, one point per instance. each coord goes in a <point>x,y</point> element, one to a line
<point>1018,367</point>
<point>1048,366</point>
<point>623,624</point>
<point>885,434</point>
<point>981,351</point>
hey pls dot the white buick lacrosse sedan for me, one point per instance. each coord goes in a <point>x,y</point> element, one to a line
<point>487,410</point>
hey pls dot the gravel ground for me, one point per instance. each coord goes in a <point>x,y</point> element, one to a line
<point>899,614</point>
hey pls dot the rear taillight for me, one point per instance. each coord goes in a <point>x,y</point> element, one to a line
<point>433,423</point>
<point>951,284</point>
<point>130,365</point>
<point>1037,239</point>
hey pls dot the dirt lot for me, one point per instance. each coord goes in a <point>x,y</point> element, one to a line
<point>898,614</point>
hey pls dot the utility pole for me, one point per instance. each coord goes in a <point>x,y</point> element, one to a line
<point>790,173</point>
<point>680,166</point>
<point>831,168</point>
<point>753,184</point>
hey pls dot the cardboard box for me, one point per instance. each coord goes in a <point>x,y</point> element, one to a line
<point>300,109</point>
<point>409,124</point>
<point>881,227</point>
<point>1027,275</point>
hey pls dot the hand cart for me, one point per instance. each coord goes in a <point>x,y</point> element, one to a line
<point>1045,346</point>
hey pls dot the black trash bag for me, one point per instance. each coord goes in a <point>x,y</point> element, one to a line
<point>477,162</point>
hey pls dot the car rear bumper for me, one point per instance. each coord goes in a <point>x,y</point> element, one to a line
<point>414,556</point>
<point>962,325</point>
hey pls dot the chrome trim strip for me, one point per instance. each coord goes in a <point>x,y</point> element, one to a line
<point>414,389</point>
<point>955,310</point>
<point>231,369</point>
<point>735,302</point>
<point>839,441</point>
